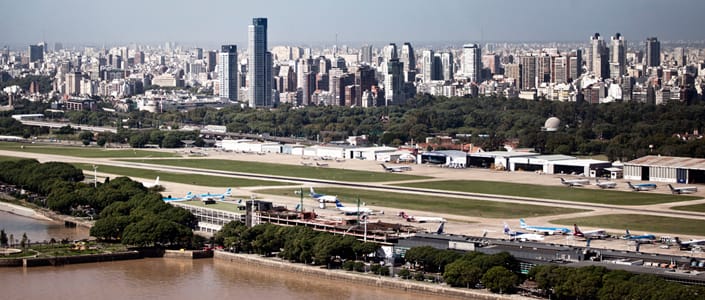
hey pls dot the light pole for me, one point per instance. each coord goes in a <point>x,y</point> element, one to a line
<point>95,176</point>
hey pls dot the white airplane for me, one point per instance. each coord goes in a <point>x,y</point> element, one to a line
<point>575,182</point>
<point>683,189</point>
<point>644,238</point>
<point>151,184</point>
<point>605,184</point>
<point>544,229</point>
<point>591,234</point>
<point>188,196</point>
<point>521,235</point>
<point>307,164</point>
<point>352,210</point>
<point>419,219</point>
<point>227,193</point>
<point>323,198</point>
<point>321,164</point>
<point>689,244</point>
<point>395,169</point>
<point>642,186</point>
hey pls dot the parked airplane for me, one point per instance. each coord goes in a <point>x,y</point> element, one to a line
<point>352,210</point>
<point>592,234</point>
<point>395,169</point>
<point>188,196</point>
<point>605,184</point>
<point>688,245</point>
<point>642,186</point>
<point>521,235</point>
<point>321,164</point>
<point>151,184</point>
<point>323,198</point>
<point>419,219</point>
<point>575,182</point>
<point>227,193</point>
<point>644,238</point>
<point>680,190</point>
<point>544,229</point>
<point>308,164</point>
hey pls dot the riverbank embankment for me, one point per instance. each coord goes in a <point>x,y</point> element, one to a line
<point>23,211</point>
<point>376,281</point>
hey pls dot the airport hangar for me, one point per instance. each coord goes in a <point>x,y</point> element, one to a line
<point>548,164</point>
<point>666,169</point>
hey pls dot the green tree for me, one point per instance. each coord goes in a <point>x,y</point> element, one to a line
<point>500,280</point>
<point>462,273</point>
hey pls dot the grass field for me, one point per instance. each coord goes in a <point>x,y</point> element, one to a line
<point>645,223</point>
<point>6,158</point>
<point>456,206</point>
<point>551,192</point>
<point>696,208</point>
<point>283,170</point>
<point>194,179</point>
<point>78,151</point>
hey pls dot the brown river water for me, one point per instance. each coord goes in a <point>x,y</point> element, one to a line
<point>165,278</point>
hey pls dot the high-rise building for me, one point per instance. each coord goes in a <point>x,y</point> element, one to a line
<point>73,83</point>
<point>560,69</point>
<point>598,56</point>
<point>394,83</point>
<point>210,61</point>
<point>36,53</point>
<point>491,61</point>
<point>472,63</point>
<point>366,54</point>
<point>198,53</point>
<point>408,58</point>
<point>679,56</point>
<point>653,52</point>
<point>575,64</point>
<point>513,71</point>
<point>227,72</point>
<point>543,68</point>
<point>618,59</point>
<point>427,65</point>
<point>259,65</point>
<point>528,72</point>
<point>364,79</point>
<point>447,67</point>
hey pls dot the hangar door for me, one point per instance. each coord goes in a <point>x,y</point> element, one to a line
<point>696,176</point>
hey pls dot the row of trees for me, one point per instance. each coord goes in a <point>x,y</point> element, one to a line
<point>296,244</point>
<point>126,210</point>
<point>557,282</point>
<point>498,272</point>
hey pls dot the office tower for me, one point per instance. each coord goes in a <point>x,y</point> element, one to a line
<point>366,54</point>
<point>653,52</point>
<point>528,72</point>
<point>618,57</point>
<point>210,61</point>
<point>393,83</point>
<point>302,66</point>
<point>560,69</point>
<point>198,53</point>
<point>36,53</point>
<point>408,58</point>
<point>288,79</point>
<point>575,64</point>
<point>73,83</point>
<point>427,65</point>
<point>389,52</point>
<point>139,58</point>
<point>437,73</point>
<point>308,86</point>
<point>471,62</point>
<point>679,56</point>
<point>227,72</point>
<point>543,68</point>
<point>598,54</point>
<point>116,62</point>
<point>364,79</point>
<point>324,65</point>
<point>447,68</point>
<point>259,65</point>
<point>491,61</point>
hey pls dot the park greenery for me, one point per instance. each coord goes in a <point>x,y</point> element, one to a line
<point>126,211</point>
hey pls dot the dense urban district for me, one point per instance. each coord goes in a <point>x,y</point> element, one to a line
<point>635,109</point>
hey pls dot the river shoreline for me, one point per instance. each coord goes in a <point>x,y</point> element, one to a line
<point>375,281</point>
<point>23,211</point>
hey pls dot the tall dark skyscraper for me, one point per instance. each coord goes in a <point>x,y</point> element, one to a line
<point>36,53</point>
<point>227,72</point>
<point>259,65</point>
<point>598,56</point>
<point>653,52</point>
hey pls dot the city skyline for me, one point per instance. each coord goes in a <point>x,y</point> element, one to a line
<point>324,22</point>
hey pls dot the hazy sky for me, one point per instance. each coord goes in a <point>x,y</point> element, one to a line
<point>355,21</point>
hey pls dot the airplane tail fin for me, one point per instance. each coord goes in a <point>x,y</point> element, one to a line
<point>627,232</point>
<point>577,229</point>
<point>156,182</point>
<point>228,192</point>
<point>189,195</point>
<point>506,229</point>
<point>338,204</point>
<point>298,207</point>
<point>522,223</point>
<point>311,192</point>
<point>630,185</point>
<point>671,187</point>
<point>440,228</point>
<point>562,180</point>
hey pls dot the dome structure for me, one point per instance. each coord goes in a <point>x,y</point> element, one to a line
<point>551,124</point>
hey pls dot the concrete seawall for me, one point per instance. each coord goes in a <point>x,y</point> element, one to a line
<point>22,211</point>
<point>382,282</point>
<point>188,254</point>
<point>79,259</point>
